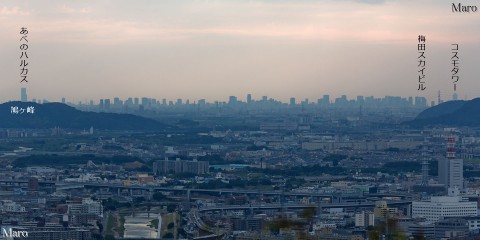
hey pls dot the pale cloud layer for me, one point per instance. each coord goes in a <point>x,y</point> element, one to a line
<point>216,48</point>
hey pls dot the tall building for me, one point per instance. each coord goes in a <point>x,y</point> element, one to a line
<point>107,104</point>
<point>450,169</point>
<point>420,102</point>
<point>101,105</point>
<point>341,101</point>
<point>326,99</point>
<point>424,164</point>
<point>145,101</point>
<point>450,172</point>
<point>360,99</point>
<point>129,101</point>
<point>23,94</point>
<point>292,101</point>
<point>364,219</point>
<point>249,98</point>
<point>232,100</point>
<point>117,102</point>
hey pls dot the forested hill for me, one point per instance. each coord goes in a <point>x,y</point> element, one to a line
<point>48,115</point>
<point>452,113</point>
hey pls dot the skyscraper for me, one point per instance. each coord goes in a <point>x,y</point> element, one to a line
<point>249,98</point>
<point>232,100</point>
<point>101,105</point>
<point>292,101</point>
<point>360,99</point>
<point>421,102</point>
<point>117,102</point>
<point>424,164</point>
<point>107,104</point>
<point>23,94</point>
<point>326,99</point>
<point>450,169</point>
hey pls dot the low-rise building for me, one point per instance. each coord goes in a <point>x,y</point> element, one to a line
<point>180,166</point>
<point>444,206</point>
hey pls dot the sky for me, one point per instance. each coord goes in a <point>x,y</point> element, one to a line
<point>212,49</point>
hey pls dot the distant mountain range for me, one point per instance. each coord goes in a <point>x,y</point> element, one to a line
<point>452,113</point>
<point>49,115</point>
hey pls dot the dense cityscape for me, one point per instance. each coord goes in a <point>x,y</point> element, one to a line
<point>239,120</point>
<point>342,169</point>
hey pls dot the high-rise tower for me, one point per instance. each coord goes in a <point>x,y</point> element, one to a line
<point>23,94</point>
<point>424,164</point>
<point>450,169</point>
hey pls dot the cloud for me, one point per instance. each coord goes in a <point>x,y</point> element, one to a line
<point>71,10</point>
<point>13,11</point>
<point>107,22</point>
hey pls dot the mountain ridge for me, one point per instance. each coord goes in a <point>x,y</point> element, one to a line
<point>49,115</point>
<point>452,113</point>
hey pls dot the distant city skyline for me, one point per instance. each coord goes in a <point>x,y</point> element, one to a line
<point>234,101</point>
<point>248,98</point>
<point>212,49</point>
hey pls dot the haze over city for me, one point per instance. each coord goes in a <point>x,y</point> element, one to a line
<point>213,49</point>
<point>239,119</point>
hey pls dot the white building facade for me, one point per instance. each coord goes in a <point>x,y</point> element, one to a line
<point>444,206</point>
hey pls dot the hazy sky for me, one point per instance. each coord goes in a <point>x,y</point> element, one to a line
<point>192,49</point>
